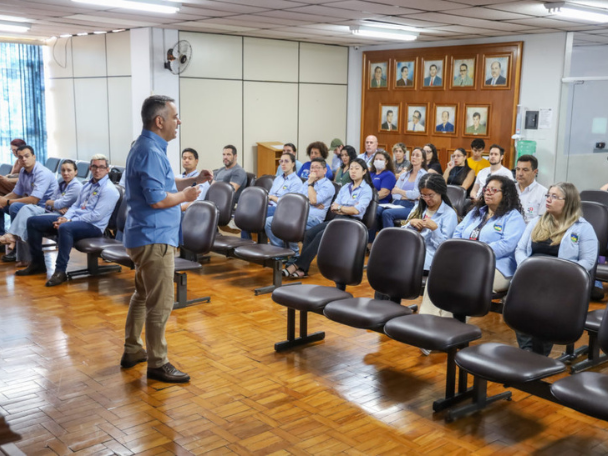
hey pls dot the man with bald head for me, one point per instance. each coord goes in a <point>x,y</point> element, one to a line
<point>371,145</point>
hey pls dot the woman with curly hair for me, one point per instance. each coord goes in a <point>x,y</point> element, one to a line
<point>560,232</point>
<point>496,220</point>
<point>316,149</point>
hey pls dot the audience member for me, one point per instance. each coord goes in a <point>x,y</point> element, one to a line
<point>432,160</point>
<point>496,220</point>
<point>231,172</point>
<point>382,174</point>
<point>497,153</point>
<point>35,185</point>
<point>336,147</point>
<point>320,191</point>
<point>151,236</point>
<point>560,232</point>
<point>532,195</point>
<point>8,182</point>
<point>405,192</point>
<point>400,161</point>
<point>317,149</point>
<point>347,155</point>
<point>189,162</point>
<point>458,172</point>
<point>371,147</point>
<point>476,161</point>
<point>352,201</point>
<point>290,148</point>
<point>86,218</point>
<point>65,195</point>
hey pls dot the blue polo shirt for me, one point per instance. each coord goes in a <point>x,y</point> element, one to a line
<point>40,183</point>
<point>148,179</point>
<point>95,203</point>
<point>386,180</point>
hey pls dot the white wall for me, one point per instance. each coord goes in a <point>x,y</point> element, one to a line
<point>589,61</point>
<point>89,96</point>
<point>543,66</point>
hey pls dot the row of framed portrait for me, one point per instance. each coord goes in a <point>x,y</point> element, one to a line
<point>417,119</point>
<point>439,73</point>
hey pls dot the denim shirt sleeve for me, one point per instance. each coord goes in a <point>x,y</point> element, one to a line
<point>151,180</point>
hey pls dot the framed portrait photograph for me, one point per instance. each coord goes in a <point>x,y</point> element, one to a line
<point>433,73</point>
<point>463,73</point>
<point>378,75</point>
<point>445,119</point>
<point>389,117</point>
<point>405,74</point>
<point>417,118</point>
<point>477,120</point>
<point>497,71</point>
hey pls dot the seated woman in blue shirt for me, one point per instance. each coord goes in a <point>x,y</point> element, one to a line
<point>317,149</point>
<point>496,220</point>
<point>560,232</point>
<point>351,202</point>
<point>382,173</point>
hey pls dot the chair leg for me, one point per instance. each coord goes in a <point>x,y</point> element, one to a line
<point>451,397</point>
<point>571,353</point>
<point>304,338</point>
<point>594,357</point>
<point>93,268</point>
<point>277,279</point>
<point>480,401</point>
<point>181,279</point>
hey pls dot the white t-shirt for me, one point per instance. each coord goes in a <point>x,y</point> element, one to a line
<point>483,175</point>
<point>532,200</point>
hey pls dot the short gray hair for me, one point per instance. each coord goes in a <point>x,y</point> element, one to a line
<point>154,106</point>
<point>99,157</point>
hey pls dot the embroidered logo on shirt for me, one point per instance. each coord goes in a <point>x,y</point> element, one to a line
<point>498,228</point>
<point>574,238</point>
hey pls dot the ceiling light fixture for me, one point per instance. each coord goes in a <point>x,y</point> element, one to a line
<point>384,33</point>
<point>17,27</point>
<point>578,12</point>
<point>153,6</point>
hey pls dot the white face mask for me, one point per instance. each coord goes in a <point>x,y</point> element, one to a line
<point>379,165</point>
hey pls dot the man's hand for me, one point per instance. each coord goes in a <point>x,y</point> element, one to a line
<point>204,176</point>
<point>59,221</point>
<point>191,193</point>
<point>63,211</point>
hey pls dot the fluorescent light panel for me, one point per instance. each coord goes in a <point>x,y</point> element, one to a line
<point>16,27</point>
<point>578,12</point>
<point>150,5</point>
<point>383,33</point>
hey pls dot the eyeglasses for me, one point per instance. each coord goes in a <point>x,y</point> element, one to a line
<point>95,167</point>
<point>492,190</point>
<point>429,196</point>
<point>284,161</point>
<point>554,197</point>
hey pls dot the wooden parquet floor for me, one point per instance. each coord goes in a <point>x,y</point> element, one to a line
<point>356,393</point>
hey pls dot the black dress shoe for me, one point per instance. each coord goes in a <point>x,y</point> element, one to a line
<point>168,374</point>
<point>131,359</point>
<point>57,278</point>
<point>33,268</point>
<point>10,257</point>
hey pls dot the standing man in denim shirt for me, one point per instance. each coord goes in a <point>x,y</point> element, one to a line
<point>151,237</point>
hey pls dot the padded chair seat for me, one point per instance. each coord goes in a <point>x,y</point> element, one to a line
<point>500,363</point>
<point>308,298</point>
<point>431,332</point>
<point>364,313</point>
<point>93,245</point>
<point>225,244</point>
<point>181,264</point>
<point>602,272</point>
<point>594,319</point>
<point>118,255</point>
<point>586,392</point>
<point>260,252</point>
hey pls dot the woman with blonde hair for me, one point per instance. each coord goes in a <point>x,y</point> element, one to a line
<point>561,232</point>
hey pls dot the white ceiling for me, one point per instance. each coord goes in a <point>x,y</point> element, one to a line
<point>318,21</point>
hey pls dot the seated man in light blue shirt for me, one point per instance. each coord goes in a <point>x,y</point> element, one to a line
<point>36,185</point>
<point>320,191</point>
<point>88,217</point>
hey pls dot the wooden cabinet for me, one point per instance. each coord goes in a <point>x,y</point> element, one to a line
<point>269,154</point>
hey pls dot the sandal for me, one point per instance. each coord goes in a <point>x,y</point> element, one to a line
<point>298,274</point>
<point>287,273</point>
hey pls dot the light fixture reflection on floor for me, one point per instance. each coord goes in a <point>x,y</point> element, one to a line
<point>578,12</point>
<point>153,6</point>
<point>384,33</point>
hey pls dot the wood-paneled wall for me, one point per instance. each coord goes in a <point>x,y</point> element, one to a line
<point>501,100</point>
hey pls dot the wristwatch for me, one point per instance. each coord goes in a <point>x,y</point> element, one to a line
<point>339,208</point>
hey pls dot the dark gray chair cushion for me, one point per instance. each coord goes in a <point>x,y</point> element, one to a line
<point>594,320</point>
<point>250,214</point>
<point>458,198</point>
<point>119,255</point>
<point>95,245</point>
<point>265,181</point>
<point>261,252</point>
<point>221,194</point>
<point>364,313</point>
<point>308,298</point>
<point>226,244</point>
<point>586,392</point>
<point>342,251</point>
<point>290,216</point>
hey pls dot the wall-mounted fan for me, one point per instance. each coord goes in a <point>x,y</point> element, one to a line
<point>178,57</point>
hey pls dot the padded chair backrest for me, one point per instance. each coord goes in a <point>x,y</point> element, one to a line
<point>602,335</point>
<point>332,215</point>
<point>458,197</point>
<point>290,216</point>
<point>265,181</point>
<point>250,179</point>
<point>369,218</point>
<point>461,277</point>
<point>597,196</point>
<point>121,217</point>
<point>250,214</point>
<point>548,298</point>
<point>82,169</point>
<point>221,193</point>
<point>113,223</point>
<point>116,173</point>
<point>396,263</point>
<point>597,215</point>
<point>342,251</point>
<point>52,163</point>
<point>199,226</point>
<point>5,168</point>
